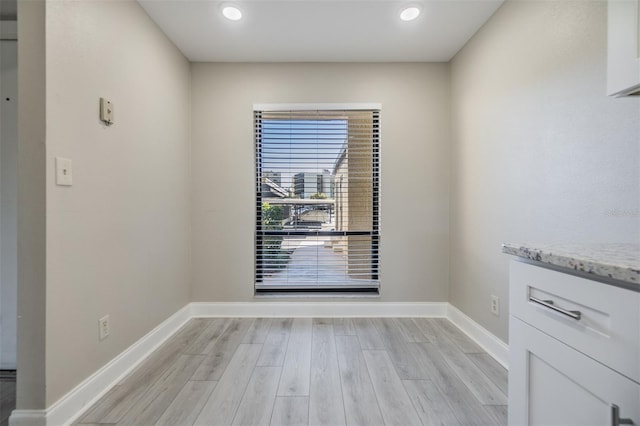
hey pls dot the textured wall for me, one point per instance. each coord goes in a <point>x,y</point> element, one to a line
<point>540,153</point>
<point>118,239</point>
<point>414,168</point>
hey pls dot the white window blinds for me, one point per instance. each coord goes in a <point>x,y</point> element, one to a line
<point>317,193</point>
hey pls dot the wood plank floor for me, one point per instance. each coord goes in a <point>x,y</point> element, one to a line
<point>303,371</point>
<point>7,397</point>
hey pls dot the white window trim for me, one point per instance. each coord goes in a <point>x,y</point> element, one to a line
<point>311,107</point>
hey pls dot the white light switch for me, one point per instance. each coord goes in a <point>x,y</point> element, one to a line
<point>106,111</point>
<point>64,176</point>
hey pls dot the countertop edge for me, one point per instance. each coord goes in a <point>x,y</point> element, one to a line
<point>628,275</point>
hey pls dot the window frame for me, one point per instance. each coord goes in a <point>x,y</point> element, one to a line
<point>374,233</point>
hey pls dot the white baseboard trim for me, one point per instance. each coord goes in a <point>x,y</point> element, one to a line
<point>495,347</point>
<point>68,408</point>
<point>28,418</point>
<point>319,309</point>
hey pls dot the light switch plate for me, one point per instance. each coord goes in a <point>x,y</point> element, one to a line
<point>64,173</point>
<point>106,111</point>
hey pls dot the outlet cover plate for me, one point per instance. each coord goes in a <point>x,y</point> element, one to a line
<point>104,327</point>
<point>495,305</point>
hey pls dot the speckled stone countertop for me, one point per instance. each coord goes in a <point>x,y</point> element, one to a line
<point>620,262</point>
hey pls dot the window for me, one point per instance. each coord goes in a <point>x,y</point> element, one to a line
<point>317,193</point>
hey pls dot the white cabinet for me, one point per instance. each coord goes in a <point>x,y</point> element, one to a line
<point>574,359</point>
<point>551,383</point>
<point>623,47</point>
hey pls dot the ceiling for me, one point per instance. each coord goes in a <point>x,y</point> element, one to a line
<point>320,30</point>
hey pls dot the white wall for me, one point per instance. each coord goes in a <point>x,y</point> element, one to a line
<point>8,202</point>
<point>539,152</point>
<point>414,168</point>
<point>118,239</point>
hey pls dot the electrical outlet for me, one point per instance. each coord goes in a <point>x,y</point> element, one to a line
<point>495,305</point>
<point>104,327</point>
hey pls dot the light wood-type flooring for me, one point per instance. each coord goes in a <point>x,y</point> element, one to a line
<point>304,371</point>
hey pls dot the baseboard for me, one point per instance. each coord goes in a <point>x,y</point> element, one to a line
<point>28,418</point>
<point>319,309</point>
<point>70,406</point>
<point>487,341</point>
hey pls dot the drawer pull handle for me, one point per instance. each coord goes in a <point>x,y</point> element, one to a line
<point>615,417</point>
<point>576,315</point>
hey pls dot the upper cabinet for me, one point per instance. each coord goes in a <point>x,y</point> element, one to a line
<point>623,74</point>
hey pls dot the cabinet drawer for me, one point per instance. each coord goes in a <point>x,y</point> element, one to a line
<point>608,327</point>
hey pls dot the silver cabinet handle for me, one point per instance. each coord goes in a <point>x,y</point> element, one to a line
<point>615,417</point>
<point>576,315</point>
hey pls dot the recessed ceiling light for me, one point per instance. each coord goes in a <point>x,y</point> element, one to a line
<point>231,11</point>
<point>410,13</point>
